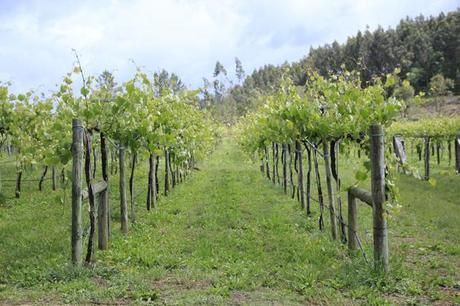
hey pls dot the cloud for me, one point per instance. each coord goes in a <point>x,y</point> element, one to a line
<point>183,36</point>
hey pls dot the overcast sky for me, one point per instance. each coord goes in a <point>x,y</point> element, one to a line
<point>182,36</point>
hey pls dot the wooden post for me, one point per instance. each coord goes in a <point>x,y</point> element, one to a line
<point>427,158</point>
<point>308,180</point>
<point>77,164</point>
<point>123,203</point>
<point>378,197</point>
<point>298,149</point>
<point>152,182</point>
<point>103,209</point>
<point>352,224</point>
<point>330,189</point>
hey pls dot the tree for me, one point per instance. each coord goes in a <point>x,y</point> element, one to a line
<point>220,77</point>
<point>405,92</point>
<point>440,86</point>
<point>219,69</point>
<point>239,71</point>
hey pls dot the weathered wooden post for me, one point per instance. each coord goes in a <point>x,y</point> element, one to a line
<point>152,182</point>
<point>308,180</point>
<point>77,169</point>
<point>352,224</point>
<point>378,196</point>
<point>123,202</point>
<point>427,158</point>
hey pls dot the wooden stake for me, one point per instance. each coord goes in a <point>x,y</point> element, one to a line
<point>427,158</point>
<point>352,224</point>
<point>77,156</point>
<point>378,197</point>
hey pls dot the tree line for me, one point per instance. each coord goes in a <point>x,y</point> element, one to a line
<point>424,49</point>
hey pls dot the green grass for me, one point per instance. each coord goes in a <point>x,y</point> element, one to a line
<point>228,236</point>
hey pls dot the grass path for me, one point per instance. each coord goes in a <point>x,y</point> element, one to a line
<point>229,236</point>
<point>226,236</point>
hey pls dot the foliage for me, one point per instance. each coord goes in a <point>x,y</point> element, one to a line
<point>440,86</point>
<point>335,108</point>
<point>440,128</point>
<point>142,114</point>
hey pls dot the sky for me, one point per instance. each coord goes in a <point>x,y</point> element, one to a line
<point>182,36</point>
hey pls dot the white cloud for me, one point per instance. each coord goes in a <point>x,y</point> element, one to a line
<point>183,36</point>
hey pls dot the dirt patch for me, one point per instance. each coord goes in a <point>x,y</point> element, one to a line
<point>100,282</point>
<point>177,283</point>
